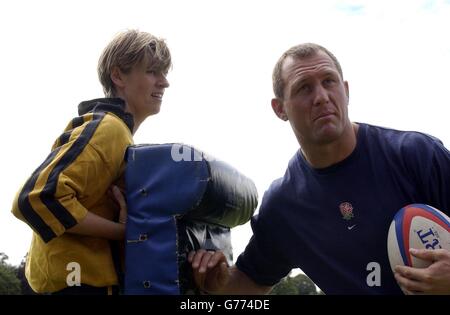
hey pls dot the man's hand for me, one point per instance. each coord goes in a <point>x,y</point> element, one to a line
<point>210,270</point>
<point>435,279</point>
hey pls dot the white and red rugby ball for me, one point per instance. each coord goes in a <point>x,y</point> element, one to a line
<point>417,226</point>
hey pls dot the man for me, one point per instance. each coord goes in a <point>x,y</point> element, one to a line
<point>330,213</point>
<point>66,201</point>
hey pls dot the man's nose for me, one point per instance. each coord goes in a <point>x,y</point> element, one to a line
<point>320,95</point>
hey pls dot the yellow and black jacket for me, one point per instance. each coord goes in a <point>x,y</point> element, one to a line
<point>84,162</point>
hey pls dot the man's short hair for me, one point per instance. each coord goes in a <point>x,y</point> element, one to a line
<point>128,49</point>
<point>301,51</point>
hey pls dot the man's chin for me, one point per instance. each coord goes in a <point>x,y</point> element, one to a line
<point>327,134</point>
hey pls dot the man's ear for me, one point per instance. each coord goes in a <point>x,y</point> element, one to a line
<point>117,77</point>
<point>347,91</point>
<point>278,109</point>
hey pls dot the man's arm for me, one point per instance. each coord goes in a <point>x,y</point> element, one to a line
<point>212,275</point>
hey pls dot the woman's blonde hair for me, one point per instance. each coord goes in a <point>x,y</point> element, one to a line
<point>128,49</point>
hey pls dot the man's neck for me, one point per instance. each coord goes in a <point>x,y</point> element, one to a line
<point>321,156</point>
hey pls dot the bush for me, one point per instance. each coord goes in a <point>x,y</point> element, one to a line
<point>9,283</point>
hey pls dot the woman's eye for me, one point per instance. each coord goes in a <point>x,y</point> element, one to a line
<point>302,89</point>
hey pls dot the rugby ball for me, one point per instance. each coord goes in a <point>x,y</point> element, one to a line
<point>417,226</point>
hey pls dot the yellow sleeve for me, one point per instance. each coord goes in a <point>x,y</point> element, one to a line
<point>50,201</point>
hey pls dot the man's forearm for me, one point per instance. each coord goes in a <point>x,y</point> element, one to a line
<point>240,284</point>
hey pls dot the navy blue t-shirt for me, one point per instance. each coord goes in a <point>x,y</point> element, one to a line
<point>333,222</point>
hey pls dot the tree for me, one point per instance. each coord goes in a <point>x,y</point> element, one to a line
<point>25,287</point>
<point>298,285</point>
<point>9,284</point>
<point>304,285</point>
<point>3,258</point>
<point>285,287</point>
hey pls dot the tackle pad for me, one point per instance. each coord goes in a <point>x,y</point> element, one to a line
<point>179,199</point>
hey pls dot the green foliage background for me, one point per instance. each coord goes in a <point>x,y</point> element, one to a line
<point>9,283</point>
<point>298,285</point>
<point>13,282</point>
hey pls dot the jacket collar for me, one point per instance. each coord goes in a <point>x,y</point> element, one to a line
<point>112,105</point>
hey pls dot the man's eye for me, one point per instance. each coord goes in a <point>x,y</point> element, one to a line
<point>303,88</point>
